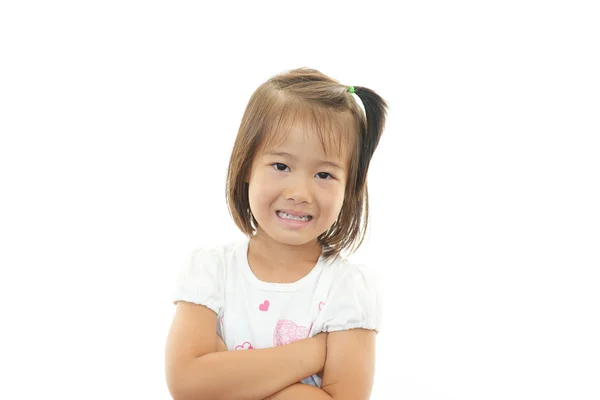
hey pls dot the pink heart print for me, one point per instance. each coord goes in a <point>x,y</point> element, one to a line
<point>264,306</point>
<point>288,332</point>
<point>321,304</point>
<point>244,346</point>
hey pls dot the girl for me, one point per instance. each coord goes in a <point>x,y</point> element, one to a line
<point>257,316</point>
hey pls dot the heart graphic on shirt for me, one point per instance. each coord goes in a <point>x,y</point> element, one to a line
<point>288,332</point>
<point>264,306</point>
<point>244,346</point>
<point>321,304</point>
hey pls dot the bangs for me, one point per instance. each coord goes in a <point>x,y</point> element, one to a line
<point>334,130</point>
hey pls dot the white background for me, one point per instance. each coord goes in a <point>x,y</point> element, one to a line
<point>117,119</point>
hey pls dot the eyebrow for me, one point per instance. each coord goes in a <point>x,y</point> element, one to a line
<point>293,157</point>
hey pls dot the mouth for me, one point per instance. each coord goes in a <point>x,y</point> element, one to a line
<point>290,217</point>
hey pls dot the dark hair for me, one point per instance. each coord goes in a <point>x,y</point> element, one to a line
<point>333,111</point>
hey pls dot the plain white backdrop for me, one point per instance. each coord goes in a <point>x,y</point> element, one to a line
<point>117,119</point>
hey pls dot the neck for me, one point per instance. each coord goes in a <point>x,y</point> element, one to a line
<point>278,255</point>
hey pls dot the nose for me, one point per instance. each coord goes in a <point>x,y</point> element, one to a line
<point>299,189</point>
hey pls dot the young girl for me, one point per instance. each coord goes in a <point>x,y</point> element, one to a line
<point>282,314</point>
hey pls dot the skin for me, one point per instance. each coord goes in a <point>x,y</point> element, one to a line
<point>300,181</point>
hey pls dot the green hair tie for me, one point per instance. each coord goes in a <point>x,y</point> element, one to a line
<point>351,89</point>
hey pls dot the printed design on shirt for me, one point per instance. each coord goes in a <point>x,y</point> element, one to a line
<point>321,304</point>
<point>264,306</point>
<point>221,320</point>
<point>288,332</point>
<point>244,346</point>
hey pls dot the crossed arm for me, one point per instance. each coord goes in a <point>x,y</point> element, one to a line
<point>348,370</point>
<point>292,392</point>
<point>199,367</point>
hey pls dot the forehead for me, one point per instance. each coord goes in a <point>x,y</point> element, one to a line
<point>323,136</point>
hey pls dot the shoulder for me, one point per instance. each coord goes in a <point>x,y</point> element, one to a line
<point>347,275</point>
<point>216,256</point>
<point>354,300</point>
<point>201,280</point>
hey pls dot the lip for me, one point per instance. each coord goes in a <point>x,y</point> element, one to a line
<point>291,224</point>
<point>295,213</point>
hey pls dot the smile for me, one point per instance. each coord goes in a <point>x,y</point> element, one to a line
<point>284,215</point>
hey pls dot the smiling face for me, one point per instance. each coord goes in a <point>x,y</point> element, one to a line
<point>296,188</point>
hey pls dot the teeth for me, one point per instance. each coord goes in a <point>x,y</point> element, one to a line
<point>292,217</point>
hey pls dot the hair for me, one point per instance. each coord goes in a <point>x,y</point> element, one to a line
<point>310,96</point>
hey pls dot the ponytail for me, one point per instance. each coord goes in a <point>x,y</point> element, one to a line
<point>375,111</point>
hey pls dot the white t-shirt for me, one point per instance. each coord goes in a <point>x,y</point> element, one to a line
<point>252,314</point>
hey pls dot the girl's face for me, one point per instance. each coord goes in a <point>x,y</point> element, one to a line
<point>295,191</point>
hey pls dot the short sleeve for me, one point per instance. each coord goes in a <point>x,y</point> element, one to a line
<point>354,303</point>
<point>200,280</point>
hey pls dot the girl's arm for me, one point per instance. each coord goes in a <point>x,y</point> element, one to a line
<point>350,364</point>
<point>297,391</point>
<point>221,346</point>
<point>195,370</point>
<point>348,372</point>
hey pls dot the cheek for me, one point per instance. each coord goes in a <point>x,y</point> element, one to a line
<point>335,200</point>
<point>261,191</point>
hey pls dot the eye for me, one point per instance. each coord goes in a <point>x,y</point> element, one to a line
<point>323,175</point>
<point>280,167</point>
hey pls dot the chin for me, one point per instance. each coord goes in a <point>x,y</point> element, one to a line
<point>292,239</point>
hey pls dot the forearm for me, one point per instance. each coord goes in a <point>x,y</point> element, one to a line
<point>300,391</point>
<point>249,374</point>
